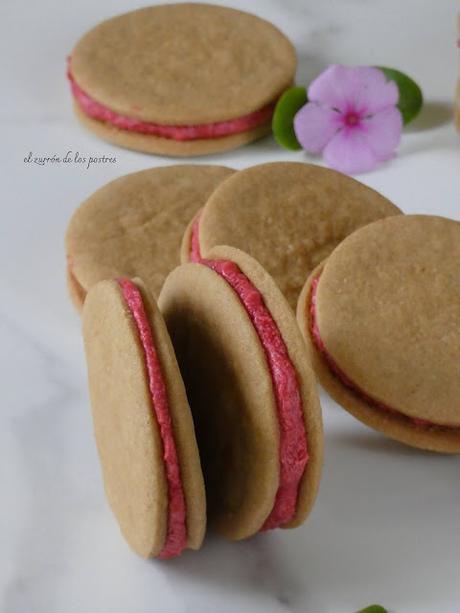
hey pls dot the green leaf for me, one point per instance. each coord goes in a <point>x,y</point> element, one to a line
<point>373,608</point>
<point>287,106</point>
<point>410,94</point>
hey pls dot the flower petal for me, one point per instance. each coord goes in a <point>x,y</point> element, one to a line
<point>383,132</point>
<point>314,126</point>
<point>349,152</point>
<point>362,89</point>
<point>373,92</point>
<point>332,87</point>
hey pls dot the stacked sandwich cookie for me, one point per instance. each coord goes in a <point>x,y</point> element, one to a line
<point>382,320</point>
<point>180,79</point>
<point>142,421</point>
<point>251,390</point>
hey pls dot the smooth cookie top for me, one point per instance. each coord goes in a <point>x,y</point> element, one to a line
<point>184,63</point>
<point>133,226</point>
<point>288,216</point>
<point>388,310</point>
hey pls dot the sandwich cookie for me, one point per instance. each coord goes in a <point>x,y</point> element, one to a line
<point>251,390</point>
<point>142,422</point>
<point>133,226</point>
<point>288,216</point>
<point>180,79</point>
<point>382,320</point>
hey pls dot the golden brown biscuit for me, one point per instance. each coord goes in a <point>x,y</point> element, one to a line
<point>251,389</point>
<point>182,75</point>
<point>142,422</point>
<point>289,216</point>
<point>382,320</point>
<point>134,225</point>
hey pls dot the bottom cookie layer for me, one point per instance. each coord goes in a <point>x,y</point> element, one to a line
<point>166,146</point>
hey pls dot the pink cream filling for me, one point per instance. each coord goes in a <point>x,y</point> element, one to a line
<point>346,381</point>
<point>293,440</point>
<point>218,129</point>
<point>176,537</point>
<point>195,251</point>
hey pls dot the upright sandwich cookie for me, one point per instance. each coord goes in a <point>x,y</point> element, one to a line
<point>251,390</point>
<point>134,225</point>
<point>180,79</point>
<point>142,422</point>
<point>382,319</point>
<point>289,216</point>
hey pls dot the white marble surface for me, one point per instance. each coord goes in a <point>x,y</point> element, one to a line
<point>386,525</point>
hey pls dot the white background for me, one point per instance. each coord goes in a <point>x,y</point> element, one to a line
<point>386,526</point>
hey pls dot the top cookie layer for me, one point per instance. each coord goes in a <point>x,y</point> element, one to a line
<point>133,226</point>
<point>288,216</point>
<point>184,63</point>
<point>388,310</point>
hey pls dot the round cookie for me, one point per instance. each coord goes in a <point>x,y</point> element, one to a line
<point>142,422</point>
<point>180,79</point>
<point>289,216</point>
<point>251,389</point>
<point>382,320</point>
<point>134,225</point>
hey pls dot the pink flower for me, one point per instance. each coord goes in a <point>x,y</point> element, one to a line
<point>351,118</point>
